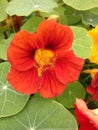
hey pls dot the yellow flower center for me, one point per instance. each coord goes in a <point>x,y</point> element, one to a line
<point>44,59</point>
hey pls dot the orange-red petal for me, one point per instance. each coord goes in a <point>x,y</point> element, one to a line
<point>25,82</point>
<point>93,87</point>
<point>21,51</point>
<point>54,36</point>
<point>49,85</point>
<point>93,92</point>
<point>88,119</point>
<point>68,67</point>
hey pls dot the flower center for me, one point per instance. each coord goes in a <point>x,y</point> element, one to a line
<point>44,59</point>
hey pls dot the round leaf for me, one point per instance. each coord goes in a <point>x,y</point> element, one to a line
<point>82,42</point>
<point>73,16</point>
<point>82,4</point>
<point>3,47</point>
<point>73,91</point>
<point>11,102</point>
<point>41,114</point>
<point>60,10</point>
<point>26,7</point>
<point>89,18</point>
<point>3,5</point>
<point>31,24</point>
<point>94,11</point>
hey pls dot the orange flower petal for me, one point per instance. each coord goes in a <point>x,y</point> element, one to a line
<point>68,67</point>
<point>94,34</point>
<point>25,82</point>
<point>21,51</point>
<point>94,56</point>
<point>54,36</point>
<point>49,85</point>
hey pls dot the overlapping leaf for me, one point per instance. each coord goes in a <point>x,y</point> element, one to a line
<point>4,43</point>
<point>41,114</point>
<point>11,102</point>
<point>82,42</point>
<point>73,91</point>
<point>89,18</point>
<point>82,4</point>
<point>73,16</point>
<point>3,6</point>
<point>26,7</point>
<point>31,24</point>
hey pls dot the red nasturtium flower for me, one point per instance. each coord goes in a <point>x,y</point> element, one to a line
<point>42,61</point>
<point>87,119</point>
<point>93,87</point>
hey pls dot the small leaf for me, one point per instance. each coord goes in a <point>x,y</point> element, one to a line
<point>3,6</point>
<point>89,18</point>
<point>82,4</point>
<point>31,24</point>
<point>82,42</point>
<point>41,114</point>
<point>11,102</point>
<point>4,43</point>
<point>26,7</point>
<point>73,91</point>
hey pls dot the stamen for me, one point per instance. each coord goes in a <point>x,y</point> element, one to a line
<point>44,59</point>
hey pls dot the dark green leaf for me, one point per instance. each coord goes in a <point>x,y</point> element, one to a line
<point>73,91</point>
<point>31,24</point>
<point>88,18</point>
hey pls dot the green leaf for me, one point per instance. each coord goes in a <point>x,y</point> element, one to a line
<point>89,18</point>
<point>96,103</point>
<point>67,15</point>
<point>26,7</point>
<point>3,6</point>
<point>73,91</point>
<point>41,114</point>
<point>82,42</point>
<point>82,4</point>
<point>11,102</point>
<point>94,11</point>
<point>31,24</point>
<point>4,43</point>
<point>60,10</point>
<point>73,16</point>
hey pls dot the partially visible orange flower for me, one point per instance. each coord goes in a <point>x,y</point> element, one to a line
<point>43,61</point>
<point>87,119</point>
<point>94,34</point>
<point>92,72</point>
<point>93,87</point>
